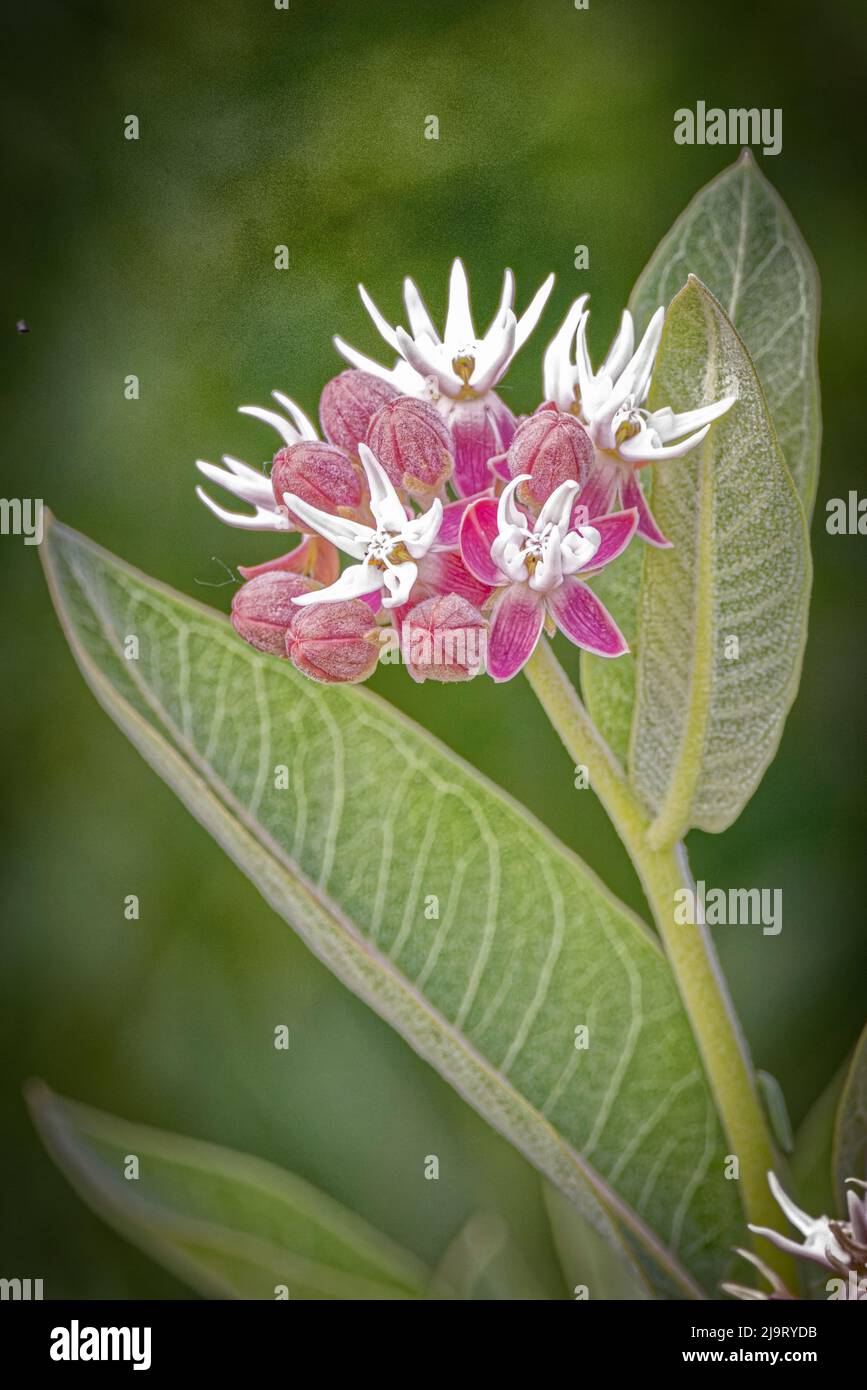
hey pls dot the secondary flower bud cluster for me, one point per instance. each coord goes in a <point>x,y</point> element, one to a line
<point>469,532</point>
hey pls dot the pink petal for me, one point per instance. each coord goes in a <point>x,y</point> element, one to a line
<point>586,621</point>
<point>598,493</point>
<point>647,527</point>
<point>500,468</point>
<point>479,530</point>
<point>616,530</point>
<point>481,430</point>
<point>444,572</point>
<point>314,555</point>
<point>515,625</point>
<point>453,515</point>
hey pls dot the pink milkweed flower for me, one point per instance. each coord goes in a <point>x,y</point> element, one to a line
<point>459,371</point>
<point>537,570</point>
<point>388,552</point>
<point>839,1246</point>
<point>610,403</point>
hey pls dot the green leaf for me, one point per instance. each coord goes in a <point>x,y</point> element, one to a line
<point>739,238</point>
<point>378,821</point>
<point>811,1159</point>
<point>850,1130</point>
<point>608,687</point>
<point>483,1263</point>
<point>709,715</point>
<point>777,1110</point>
<point>586,1260</point>
<point>226,1223</point>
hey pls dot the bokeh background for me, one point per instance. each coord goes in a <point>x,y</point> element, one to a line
<point>262,126</point>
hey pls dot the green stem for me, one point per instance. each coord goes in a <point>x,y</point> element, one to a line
<point>689,948</point>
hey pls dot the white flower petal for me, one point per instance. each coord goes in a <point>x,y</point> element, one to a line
<point>387,508</point>
<point>262,520</point>
<point>533,312</point>
<point>420,320</point>
<point>579,547</point>
<point>558,508</point>
<point>459,332</point>
<point>241,481</point>
<point>420,532</point>
<point>379,319</point>
<point>303,423</point>
<point>548,573</point>
<point>395,376</point>
<point>284,428</point>
<point>494,355</point>
<point>398,580</point>
<point>355,581</point>
<point>641,447</point>
<point>349,536</point>
<point>635,378</point>
<point>670,426</point>
<point>508,515</point>
<point>507,300</point>
<point>557,369</point>
<point>621,348</point>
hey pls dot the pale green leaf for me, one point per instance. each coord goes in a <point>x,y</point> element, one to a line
<point>608,686</point>
<point>850,1130</point>
<point>708,714</point>
<point>777,1110</point>
<point>586,1260</point>
<point>377,821</point>
<point>739,238</point>
<point>811,1159</point>
<point>228,1224</point>
<point>484,1264</point>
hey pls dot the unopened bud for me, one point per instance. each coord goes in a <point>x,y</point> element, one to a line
<point>412,442</point>
<point>348,404</point>
<point>322,475</point>
<point>263,611</point>
<point>553,448</point>
<point>443,639</point>
<point>334,642</point>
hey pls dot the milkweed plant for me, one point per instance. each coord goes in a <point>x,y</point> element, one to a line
<point>651,509</point>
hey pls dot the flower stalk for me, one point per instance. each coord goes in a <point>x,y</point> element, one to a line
<point>689,949</point>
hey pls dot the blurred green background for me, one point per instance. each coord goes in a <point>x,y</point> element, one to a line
<point>304,127</point>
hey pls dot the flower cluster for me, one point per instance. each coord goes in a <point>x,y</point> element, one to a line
<point>837,1246</point>
<point>469,531</point>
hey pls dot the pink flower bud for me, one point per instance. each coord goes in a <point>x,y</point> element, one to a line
<point>554,448</point>
<point>334,642</point>
<point>322,475</point>
<point>443,639</point>
<point>414,446</point>
<point>263,611</point>
<point>347,405</point>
